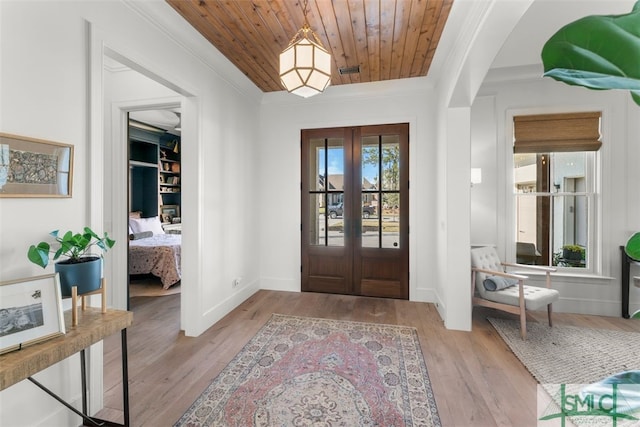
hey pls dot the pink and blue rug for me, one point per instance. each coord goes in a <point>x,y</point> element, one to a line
<point>299,371</point>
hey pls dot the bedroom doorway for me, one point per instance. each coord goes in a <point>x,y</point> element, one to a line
<point>130,89</point>
<point>154,200</point>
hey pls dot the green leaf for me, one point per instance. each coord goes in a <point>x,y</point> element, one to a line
<point>108,241</point>
<point>90,232</point>
<point>39,254</point>
<point>632,248</point>
<point>597,52</point>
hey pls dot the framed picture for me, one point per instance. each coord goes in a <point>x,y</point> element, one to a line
<point>170,210</point>
<point>32,167</point>
<point>30,311</point>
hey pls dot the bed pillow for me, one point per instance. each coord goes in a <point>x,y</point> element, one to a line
<point>138,236</point>
<point>135,214</point>
<point>140,225</point>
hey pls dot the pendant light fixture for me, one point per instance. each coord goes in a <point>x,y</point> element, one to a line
<point>305,66</point>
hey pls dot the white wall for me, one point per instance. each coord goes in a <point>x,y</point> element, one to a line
<point>619,204</point>
<point>282,118</point>
<point>43,86</point>
<point>51,86</point>
<point>484,223</point>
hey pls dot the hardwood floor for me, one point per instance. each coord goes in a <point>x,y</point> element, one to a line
<point>476,379</point>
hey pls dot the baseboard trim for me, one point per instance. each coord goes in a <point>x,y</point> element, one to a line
<point>216,313</point>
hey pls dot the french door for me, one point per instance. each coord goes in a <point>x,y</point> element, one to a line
<point>355,210</point>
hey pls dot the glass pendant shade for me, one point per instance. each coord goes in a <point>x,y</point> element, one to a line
<point>305,67</point>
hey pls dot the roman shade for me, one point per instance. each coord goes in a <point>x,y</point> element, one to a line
<point>549,133</point>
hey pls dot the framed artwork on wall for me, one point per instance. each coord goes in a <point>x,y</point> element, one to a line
<point>30,311</point>
<point>32,167</point>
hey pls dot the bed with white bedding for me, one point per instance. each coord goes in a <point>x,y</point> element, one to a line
<point>151,251</point>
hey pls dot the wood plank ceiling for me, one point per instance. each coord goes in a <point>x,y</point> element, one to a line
<point>386,39</point>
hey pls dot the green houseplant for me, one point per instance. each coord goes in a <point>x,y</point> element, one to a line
<point>81,268</point>
<point>632,248</point>
<point>573,252</point>
<point>597,52</point>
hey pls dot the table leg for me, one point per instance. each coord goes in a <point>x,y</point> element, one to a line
<point>626,267</point>
<point>125,376</point>
<point>88,420</point>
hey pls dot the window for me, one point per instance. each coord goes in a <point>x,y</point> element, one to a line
<point>555,190</point>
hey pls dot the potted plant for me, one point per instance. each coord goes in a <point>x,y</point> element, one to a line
<point>81,268</point>
<point>573,252</point>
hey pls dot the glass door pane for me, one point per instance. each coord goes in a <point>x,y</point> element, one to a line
<point>326,193</point>
<point>390,164</point>
<point>380,165</point>
<point>317,226</point>
<point>391,221</point>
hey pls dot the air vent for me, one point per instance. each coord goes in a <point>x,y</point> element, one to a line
<point>349,70</point>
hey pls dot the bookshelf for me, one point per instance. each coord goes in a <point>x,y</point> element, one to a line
<point>154,174</point>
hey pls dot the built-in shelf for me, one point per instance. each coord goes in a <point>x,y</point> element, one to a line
<point>154,163</point>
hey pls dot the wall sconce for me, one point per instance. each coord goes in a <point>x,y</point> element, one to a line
<point>476,176</point>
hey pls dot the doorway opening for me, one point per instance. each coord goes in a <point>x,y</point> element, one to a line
<point>155,222</point>
<point>130,89</point>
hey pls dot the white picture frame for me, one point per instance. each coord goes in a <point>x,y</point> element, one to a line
<point>30,311</point>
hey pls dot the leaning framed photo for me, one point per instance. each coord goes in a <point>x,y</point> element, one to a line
<point>32,167</point>
<point>170,210</point>
<point>30,311</point>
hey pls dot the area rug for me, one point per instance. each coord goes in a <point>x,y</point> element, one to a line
<point>151,289</point>
<point>573,363</point>
<point>567,354</point>
<point>300,371</point>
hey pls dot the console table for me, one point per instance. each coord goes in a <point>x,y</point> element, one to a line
<point>93,326</point>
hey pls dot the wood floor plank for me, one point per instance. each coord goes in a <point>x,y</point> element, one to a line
<point>476,379</point>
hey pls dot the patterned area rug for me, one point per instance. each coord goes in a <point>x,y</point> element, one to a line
<point>300,371</point>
